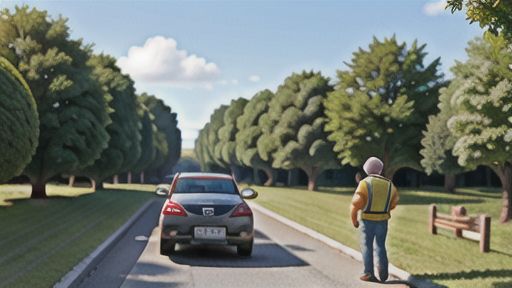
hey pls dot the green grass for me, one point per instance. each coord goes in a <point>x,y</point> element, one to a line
<point>443,258</point>
<point>43,239</point>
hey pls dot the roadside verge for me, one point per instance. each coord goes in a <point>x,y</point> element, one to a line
<point>82,269</point>
<point>397,272</point>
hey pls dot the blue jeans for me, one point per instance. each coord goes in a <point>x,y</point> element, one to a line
<point>377,230</point>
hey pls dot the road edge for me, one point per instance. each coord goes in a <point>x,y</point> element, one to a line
<point>399,273</point>
<point>82,269</point>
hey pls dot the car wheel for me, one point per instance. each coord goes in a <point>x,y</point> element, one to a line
<point>167,247</point>
<point>245,249</point>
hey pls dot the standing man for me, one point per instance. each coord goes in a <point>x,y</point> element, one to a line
<point>376,196</point>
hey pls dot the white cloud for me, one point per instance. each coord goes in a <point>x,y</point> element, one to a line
<point>254,78</point>
<point>234,81</point>
<point>434,8</point>
<point>160,62</point>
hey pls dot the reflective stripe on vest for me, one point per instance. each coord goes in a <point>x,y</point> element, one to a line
<point>367,208</point>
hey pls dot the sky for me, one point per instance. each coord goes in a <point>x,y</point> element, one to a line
<point>199,55</point>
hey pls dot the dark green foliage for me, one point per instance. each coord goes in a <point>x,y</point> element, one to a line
<point>208,139</point>
<point>148,151</point>
<point>225,148</point>
<point>168,139</point>
<point>72,106</point>
<point>19,122</point>
<point>123,149</point>
<point>249,131</point>
<point>382,104</point>
<point>293,135</point>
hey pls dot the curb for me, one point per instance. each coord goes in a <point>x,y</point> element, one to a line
<point>399,273</point>
<point>82,269</point>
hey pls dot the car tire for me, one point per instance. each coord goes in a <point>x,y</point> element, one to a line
<point>167,247</point>
<point>245,249</point>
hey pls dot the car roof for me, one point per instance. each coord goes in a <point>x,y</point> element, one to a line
<point>204,175</point>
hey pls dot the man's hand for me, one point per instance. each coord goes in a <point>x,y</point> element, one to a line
<point>356,224</point>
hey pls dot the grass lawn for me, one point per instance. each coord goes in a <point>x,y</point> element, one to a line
<point>42,239</point>
<point>443,258</point>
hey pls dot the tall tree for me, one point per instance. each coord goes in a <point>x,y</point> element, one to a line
<point>438,143</point>
<point>302,142</point>
<point>148,150</point>
<point>273,136</point>
<point>482,101</point>
<point>491,14</point>
<point>71,104</point>
<point>166,122</point>
<point>19,122</point>
<point>249,131</point>
<point>382,105</point>
<point>123,149</point>
<point>225,148</point>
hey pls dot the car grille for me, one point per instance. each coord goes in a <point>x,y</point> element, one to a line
<point>218,209</point>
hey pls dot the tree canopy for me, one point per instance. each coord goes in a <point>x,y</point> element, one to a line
<point>481,101</point>
<point>381,105</point>
<point>491,14</point>
<point>72,106</point>
<point>19,122</point>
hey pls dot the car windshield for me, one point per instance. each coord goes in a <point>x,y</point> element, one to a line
<point>205,186</point>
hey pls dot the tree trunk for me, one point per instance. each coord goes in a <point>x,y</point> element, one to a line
<point>312,178</point>
<point>93,183</point>
<point>116,179</point>
<point>71,180</point>
<point>39,189</point>
<point>142,177</point>
<point>449,183</point>
<point>506,183</point>
<point>129,177</point>
<point>97,185</point>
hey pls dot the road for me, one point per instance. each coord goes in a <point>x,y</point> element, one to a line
<point>282,257</point>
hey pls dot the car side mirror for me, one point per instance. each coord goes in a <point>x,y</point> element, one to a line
<point>249,193</point>
<point>162,191</point>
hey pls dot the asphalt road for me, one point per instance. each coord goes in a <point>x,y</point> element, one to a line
<point>282,257</point>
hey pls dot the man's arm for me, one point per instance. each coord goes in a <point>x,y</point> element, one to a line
<point>353,215</point>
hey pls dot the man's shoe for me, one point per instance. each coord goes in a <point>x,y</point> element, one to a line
<point>368,277</point>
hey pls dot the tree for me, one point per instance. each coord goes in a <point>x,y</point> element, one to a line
<point>273,137</point>
<point>148,151</point>
<point>482,101</point>
<point>249,131</point>
<point>123,149</point>
<point>438,143</point>
<point>19,122</point>
<point>166,123</point>
<point>225,148</point>
<point>302,142</point>
<point>382,104</point>
<point>491,14</point>
<point>71,104</point>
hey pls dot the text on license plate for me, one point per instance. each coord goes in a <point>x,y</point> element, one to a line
<point>210,232</point>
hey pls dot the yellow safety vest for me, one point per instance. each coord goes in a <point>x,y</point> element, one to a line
<point>379,192</point>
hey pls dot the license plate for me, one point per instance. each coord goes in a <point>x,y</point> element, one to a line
<point>210,233</point>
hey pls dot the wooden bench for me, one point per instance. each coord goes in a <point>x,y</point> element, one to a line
<point>475,228</point>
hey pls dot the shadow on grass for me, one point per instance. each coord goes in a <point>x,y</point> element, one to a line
<point>506,284</point>
<point>411,199</point>
<point>502,273</point>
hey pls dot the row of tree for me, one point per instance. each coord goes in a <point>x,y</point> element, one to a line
<point>67,111</point>
<point>388,104</point>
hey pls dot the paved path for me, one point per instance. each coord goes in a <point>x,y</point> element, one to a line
<point>282,257</point>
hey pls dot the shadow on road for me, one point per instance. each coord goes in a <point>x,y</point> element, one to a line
<point>265,254</point>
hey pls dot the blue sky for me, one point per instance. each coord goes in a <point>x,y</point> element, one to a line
<point>198,55</point>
